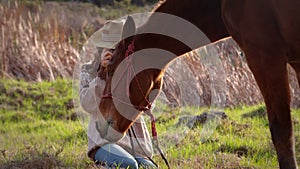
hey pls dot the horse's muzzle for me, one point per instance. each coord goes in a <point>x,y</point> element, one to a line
<point>107,96</point>
<point>107,132</point>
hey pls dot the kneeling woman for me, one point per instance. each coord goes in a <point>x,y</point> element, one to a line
<point>127,152</point>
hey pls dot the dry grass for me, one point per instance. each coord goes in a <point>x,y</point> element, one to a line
<point>240,86</point>
<point>31,48</point>
<point>34,48</point>
<point>32,158</point>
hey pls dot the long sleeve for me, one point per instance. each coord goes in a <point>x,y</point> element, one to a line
<point>91,88</point>
<point>90,95</point>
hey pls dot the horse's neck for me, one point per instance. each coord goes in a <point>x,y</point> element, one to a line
<point>204,14</point>
<point>154,41</point>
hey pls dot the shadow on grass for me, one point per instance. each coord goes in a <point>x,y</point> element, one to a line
<point>30,158</point>
<point>259,112</point>
<point>36,161</point>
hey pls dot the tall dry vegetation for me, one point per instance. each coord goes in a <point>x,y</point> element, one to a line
<point>34,48</point>
<point>216,75</point>
<point>31,48</point>
<point>242,86</point>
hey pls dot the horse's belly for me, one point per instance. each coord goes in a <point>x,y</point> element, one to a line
<point>251,23</point>
<point>287,15</point>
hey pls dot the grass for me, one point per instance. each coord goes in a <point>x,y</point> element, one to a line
<point>39,126</point>
<point>40,130</point>
<point>238,142</point>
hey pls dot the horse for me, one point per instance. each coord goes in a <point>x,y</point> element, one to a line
<point>267,32</point>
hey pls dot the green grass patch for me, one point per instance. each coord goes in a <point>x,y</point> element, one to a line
<point>39,130</point>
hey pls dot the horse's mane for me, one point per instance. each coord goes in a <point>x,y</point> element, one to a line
<point>117,58</point>
<point>161,2</point>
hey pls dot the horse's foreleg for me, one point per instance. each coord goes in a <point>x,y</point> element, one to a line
<point>272,79</point>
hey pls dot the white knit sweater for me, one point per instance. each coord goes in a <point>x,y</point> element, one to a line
<point>91,88</point>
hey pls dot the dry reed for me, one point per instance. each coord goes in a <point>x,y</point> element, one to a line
<point>36,49</point>
<point>240,87</point>
<point>31,48</point>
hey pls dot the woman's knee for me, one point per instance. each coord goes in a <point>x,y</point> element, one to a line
<point>129,162</point>
<point>145,164</point>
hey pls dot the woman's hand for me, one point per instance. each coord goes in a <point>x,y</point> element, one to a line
<point>106,56</point>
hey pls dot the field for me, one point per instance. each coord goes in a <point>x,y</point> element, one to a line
<point>40,45</point>
<point>40,129</point>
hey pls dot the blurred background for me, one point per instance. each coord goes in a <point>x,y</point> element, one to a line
<point>40,40</point>
<point>40,44</point>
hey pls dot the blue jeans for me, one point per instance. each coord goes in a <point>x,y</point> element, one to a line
<point>112,155</point>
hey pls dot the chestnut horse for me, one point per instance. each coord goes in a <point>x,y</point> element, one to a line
<point>266,30</point>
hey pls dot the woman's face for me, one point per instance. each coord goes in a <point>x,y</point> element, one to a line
<point>107,51</point>
<point>106,56</point>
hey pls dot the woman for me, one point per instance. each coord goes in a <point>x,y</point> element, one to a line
<point>130,151</point>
